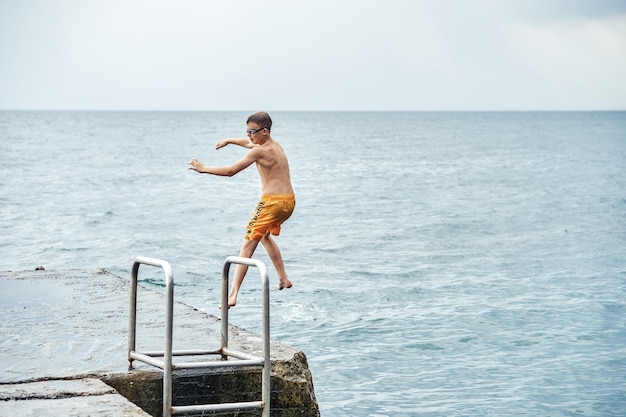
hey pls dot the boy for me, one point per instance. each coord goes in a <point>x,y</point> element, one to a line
<point>277,197</point>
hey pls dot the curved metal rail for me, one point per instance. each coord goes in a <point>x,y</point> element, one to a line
<point>167,364</point>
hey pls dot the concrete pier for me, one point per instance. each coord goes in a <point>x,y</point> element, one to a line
<point>64,342</point>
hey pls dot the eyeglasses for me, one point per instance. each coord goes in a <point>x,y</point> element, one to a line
<point>253,131</point>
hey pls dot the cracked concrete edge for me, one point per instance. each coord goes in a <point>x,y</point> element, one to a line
<point>54,389</point>
<point>71,397</point>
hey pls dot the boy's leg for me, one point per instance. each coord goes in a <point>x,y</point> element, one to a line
<point>276,257</point>
<point>247,250</point>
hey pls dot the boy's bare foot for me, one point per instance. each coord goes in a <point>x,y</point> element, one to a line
<point>232,302</point>
<point>284,284</point>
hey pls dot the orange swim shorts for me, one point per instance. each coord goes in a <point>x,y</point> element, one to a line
<point>269,214</point>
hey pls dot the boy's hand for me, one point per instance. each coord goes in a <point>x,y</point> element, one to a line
<point>221,143</point>
<point>196,165</point>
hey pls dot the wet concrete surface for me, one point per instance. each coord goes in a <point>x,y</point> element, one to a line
<point>61,325</point>
<point>77,397</point>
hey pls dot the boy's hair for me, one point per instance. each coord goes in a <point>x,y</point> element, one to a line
<point>262,119</point>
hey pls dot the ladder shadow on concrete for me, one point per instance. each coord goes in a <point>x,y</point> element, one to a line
<point>164,359</point>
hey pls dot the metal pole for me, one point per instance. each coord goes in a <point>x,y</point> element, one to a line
<point>167,358</point>
<point>265,382</point>
<point>265,390</point>
<point>225,307</point>
<point>169,322</point>
<point>132,324</point>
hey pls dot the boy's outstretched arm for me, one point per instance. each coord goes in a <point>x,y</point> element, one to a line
<point>244,142</point>
<point>240,165</point>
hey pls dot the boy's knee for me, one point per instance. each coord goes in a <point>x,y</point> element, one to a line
<point>248,248</point>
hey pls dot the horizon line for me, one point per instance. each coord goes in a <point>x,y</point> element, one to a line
<point>317,111</point>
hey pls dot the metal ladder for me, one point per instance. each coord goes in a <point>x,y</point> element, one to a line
<point>167,364</point>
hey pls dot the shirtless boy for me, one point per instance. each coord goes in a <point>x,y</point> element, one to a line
<point>277,197</point>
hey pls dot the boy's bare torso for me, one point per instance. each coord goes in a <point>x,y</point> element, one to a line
<point>273,167</point>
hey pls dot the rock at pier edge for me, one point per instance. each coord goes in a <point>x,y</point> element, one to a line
<point>65,343</point>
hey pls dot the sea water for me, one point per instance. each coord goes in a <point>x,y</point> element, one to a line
<point>444,264</point>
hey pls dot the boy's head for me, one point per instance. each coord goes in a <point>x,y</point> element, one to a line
<point>262,119</point>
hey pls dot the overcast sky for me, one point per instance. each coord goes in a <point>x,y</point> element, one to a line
<point>313,55</point>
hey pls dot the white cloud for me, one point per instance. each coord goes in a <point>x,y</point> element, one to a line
<point>322,55</point>
<point>586,59</point>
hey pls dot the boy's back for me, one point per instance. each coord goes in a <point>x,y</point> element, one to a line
<point>273,168</point>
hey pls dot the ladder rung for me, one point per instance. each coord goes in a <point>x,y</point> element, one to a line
<point>239,355</point>
<point>252,405</point>
<point>149,358</point>
<point>190,352</point>
<point>218,364</point>
<point>146,359</point>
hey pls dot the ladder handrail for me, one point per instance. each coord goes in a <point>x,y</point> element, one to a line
<point>167,364</point>
<point>169,324</point>
<point>265,379</point>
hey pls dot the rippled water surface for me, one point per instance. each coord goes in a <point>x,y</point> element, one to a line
<point>444,264</point>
